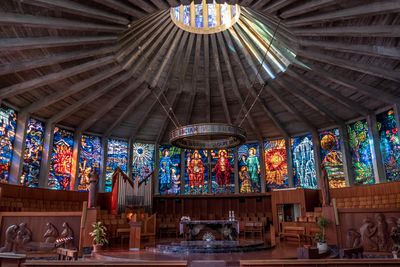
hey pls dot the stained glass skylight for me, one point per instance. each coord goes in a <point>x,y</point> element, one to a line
<point>205,18</point>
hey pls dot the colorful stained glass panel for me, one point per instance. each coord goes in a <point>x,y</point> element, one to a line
<point>212,15</point>
<point>196,172</point>
<point>117,156</point>
<point>32,153</point>
<point>8,124</point>
<point>332,158</point>
<point>249,168</point>
<point>61,160</point>
<point>223,178</point>
<point>199,15</point>
<point>89,160</point>
<point>276,167</point>
<point>360,150</point>
<point>142,161</point>
<point>304,162</point>
<point>169,172</point>
<point>186,15</point>
<point>389,143</point>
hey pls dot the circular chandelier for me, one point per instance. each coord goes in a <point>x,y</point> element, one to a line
<point>208,136</point>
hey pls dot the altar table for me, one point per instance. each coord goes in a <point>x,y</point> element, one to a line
<point>228,230</point>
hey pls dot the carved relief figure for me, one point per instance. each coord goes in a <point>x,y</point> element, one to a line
<point>382,232</point>
<point>67,233</point>
<point>353,239</point>
<point>24,236</point>
<point>10,242</point>
<point>367,231</point>
<point>395,235</point>
<point>51,233</point>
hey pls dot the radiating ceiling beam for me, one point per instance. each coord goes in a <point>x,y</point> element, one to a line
<point>166,119</point>
<point>249,85</point>
<point>351,31</point>
<point>143,4</point>
<point>62,93</point>
<point>78,9</point>
<point>220,81</point>
<point>335,95</point>
<point>121,7</point>
<point>352,65</point>
<point>369,50</point>
<point>362,10</point>
<point>235,88</point>
<point>207,87</point>
<point>275,6</point>
<point>160,4</point>
<point>22,87</point>
<point>306,7</point>
<point>48,60</point>
<point>12,44</point>
<point>55,23</point>
<point>185,63</point>
<point>359,87</point>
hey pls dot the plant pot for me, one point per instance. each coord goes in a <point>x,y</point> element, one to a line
<point>322,247</point>
<point>97,248</point>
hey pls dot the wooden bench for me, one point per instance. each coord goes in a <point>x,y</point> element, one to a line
<point>11,259</point>
<point>37,263</point>
<point>296,232</point>
<point>321,263</point>
<point>67,254</point>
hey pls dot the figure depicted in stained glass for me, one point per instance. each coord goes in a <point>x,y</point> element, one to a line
<point>304,163</point>
<point>276,170</point>
<point>117,156</point>
<point>223,169</point>
<point>175,180</point>
<point>254,167</point>
<point>196,170</point>
<point>89,160</point>
<point>8,124</point>
<point>165,170</point>
<point>245,185</point>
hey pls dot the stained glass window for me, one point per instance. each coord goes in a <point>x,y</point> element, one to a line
<point>249,168</point>
<point>169,172</point>
<point>117,156</point>
<point>142,161</point>
<point>360,149</point>
<point>8,124</point>
<point>61,160</point>
<point>89,160</point>
<point>225,15</point>
<point>390,145</point>
<point>33,153</point>
<point>332,158</point>
<point>196,171</point>
<point>304,162</point>
<point>176,12</point>
<point>223,178</point>
<point>212,15</point>
<point>186,15</point>
<point>276,168</point>
<point>199,15</point>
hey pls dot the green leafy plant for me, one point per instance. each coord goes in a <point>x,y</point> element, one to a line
<point>99,234</point>
<point>322,223</point>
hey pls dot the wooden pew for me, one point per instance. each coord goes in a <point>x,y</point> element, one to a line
<point>321,263</point>
<point>296,232</point>
<point>37,263</point>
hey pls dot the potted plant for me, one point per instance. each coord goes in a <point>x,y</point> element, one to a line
<point>320,237</point>
<point>99,235</point>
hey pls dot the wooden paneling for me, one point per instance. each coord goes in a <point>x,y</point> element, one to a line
<point>366,190</point>
<point>317,263</point>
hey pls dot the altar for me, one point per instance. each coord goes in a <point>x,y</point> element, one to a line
<point>209,230</point>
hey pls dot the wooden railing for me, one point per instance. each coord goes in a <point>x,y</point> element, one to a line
<point>322,263</point>
<point>37,263</point>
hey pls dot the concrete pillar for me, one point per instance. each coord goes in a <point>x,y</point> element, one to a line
<point>262,165</point>
<point>46,155</point>
<point>18,148</point>
<point>156,168</point>
<point>183,167</point>
<point>379,168</point>
<point>317,156</point>
<point>289,160</point>
<point>345,149</point>
<point>103,164</point>
<point>236,169</point>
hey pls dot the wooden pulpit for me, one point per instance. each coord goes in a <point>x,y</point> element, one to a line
<point>135,235</point>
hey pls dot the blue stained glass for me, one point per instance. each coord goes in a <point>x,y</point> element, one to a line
<point>276,167</point>
<point>169,172</point>
<point>304,162</point>
<point>212,15</point>
<point>223,178</point>
<point>332,158</point>
<point>225,18</point>
<point>199,15</point>
<point>390,145</point>
<point>196,174</point>
<point>360,149</point>
<point>186,15</point>
<point>176,12</point>
<point>142,161</point>
<point>61,160</point>
<point>249,168</point>
<point>33,153</point>
<point>117,156</point>
<point>89,160</point>
<point>8,124</point>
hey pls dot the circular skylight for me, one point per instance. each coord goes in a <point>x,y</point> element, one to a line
<point>205,18</point>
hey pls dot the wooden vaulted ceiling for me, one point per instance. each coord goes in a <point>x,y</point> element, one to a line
<point>104,66</point>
